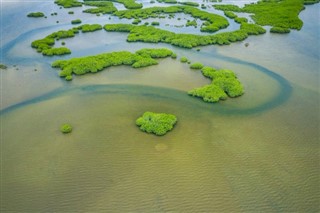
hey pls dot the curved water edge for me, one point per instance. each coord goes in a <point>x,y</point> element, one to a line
<point>161,93</point>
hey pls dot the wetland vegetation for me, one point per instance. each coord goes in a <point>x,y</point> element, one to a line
<point>156,123</point>
<point>36,14</point>
<point>93,64</point>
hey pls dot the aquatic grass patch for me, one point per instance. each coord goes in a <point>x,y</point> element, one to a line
<point>66,128</point>
<point>92,64</point>
<point>76,21</point>
<point>156,123</point>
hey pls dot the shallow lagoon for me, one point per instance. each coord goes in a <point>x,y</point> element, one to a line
<point>254,153</point>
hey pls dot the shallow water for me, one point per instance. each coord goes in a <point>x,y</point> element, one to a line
<point>256,153</point>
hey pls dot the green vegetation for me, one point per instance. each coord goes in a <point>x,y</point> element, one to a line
<point>3,66</point>
<point>276,13</point>
<point>174,56</point>
<point>156,123</point>
<point>36,14</point>
<point>129,4</point>
<point>155,23</point>
<point>56,51</point>
<point>154,35</point>
<point>68,3</point>
<point>214,22</point>
<point>279,30</point>
<point>66,128</point>
<point>196,66</point>
<point>189,3</point>
<point>224,83</point>
<point>230,14</point>
<point>307,2</point>
<point>136,21</point>
<point>168,1</point>
<point>183,59</point>
<point>191,23</point>
<point>241,20</point>
<point>44,45</point>
<point>102,7</point>
<point>90,27</point>
<point>71,12</point>
<point>76,21</point>
<point>93,64</point>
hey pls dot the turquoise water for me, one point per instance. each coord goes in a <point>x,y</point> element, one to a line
<point>255,153</point>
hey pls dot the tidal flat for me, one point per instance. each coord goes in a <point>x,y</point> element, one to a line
<point>255,153</point>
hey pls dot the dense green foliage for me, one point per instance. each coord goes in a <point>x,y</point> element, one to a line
<point>157,123</point>
<point>56,51</point>
<point>90,27</point>
<point>44,45</point>
<point>277,13</point>
<point>129,4</point>
<point>196,66</point>
<point>154,35</point>
<point>36,14</point>
<point>189,3</point>
<point>230,14</point>
<point>66,128</point>
<point>76,21</point>
<point>3,66</point>
<point>168,1</point>
<point>102,7</point>
<point>214,22</point>
<point>224,83</point>
<point>307,2</point>
<point>183,59</point>
<point>191,23</point>
<point>68,3</point>
<point>93,64</point>
<point>279,30</point>
<point>240,20</point>
<point>155,23</point>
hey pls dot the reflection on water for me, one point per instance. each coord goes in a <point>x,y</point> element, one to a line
<point>259,152</point>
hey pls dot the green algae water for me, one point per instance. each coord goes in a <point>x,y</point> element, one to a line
<point>255,153</point>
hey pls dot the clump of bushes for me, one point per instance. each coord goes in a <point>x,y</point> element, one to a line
<point>102,7</point>
<point>66,128</point>
<point>92,64</point>
<point>191,23</point>
<point>279,30</point>
<point>3,66</point>
<point>68,3</point>
<point>90,27</point>
<point>36,14</point>
<point>156,123</point>
<point>183,59</point>
<point>155,23</point>
<point>196,66</point>
<point>224,83</point>
<point>56,51</point>
<point>189,3</point>
<point>76,21</point>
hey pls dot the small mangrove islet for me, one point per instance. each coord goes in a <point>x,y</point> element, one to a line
<point>156,123</point>
<point>66,128</point>
<point>3,66</point>
<point>36,14</point>
<point>224,83</point>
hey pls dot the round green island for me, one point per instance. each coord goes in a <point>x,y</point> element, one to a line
<point>66,128</point>
<point>156,123</point>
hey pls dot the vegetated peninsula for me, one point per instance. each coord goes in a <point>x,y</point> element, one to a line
<point>282,15</point>
<point>129,4</point>
<point>156,123</point>
<point>154,35</point>
<point>36,14</point>
<point>93,64</point>
<point>45,45</point>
